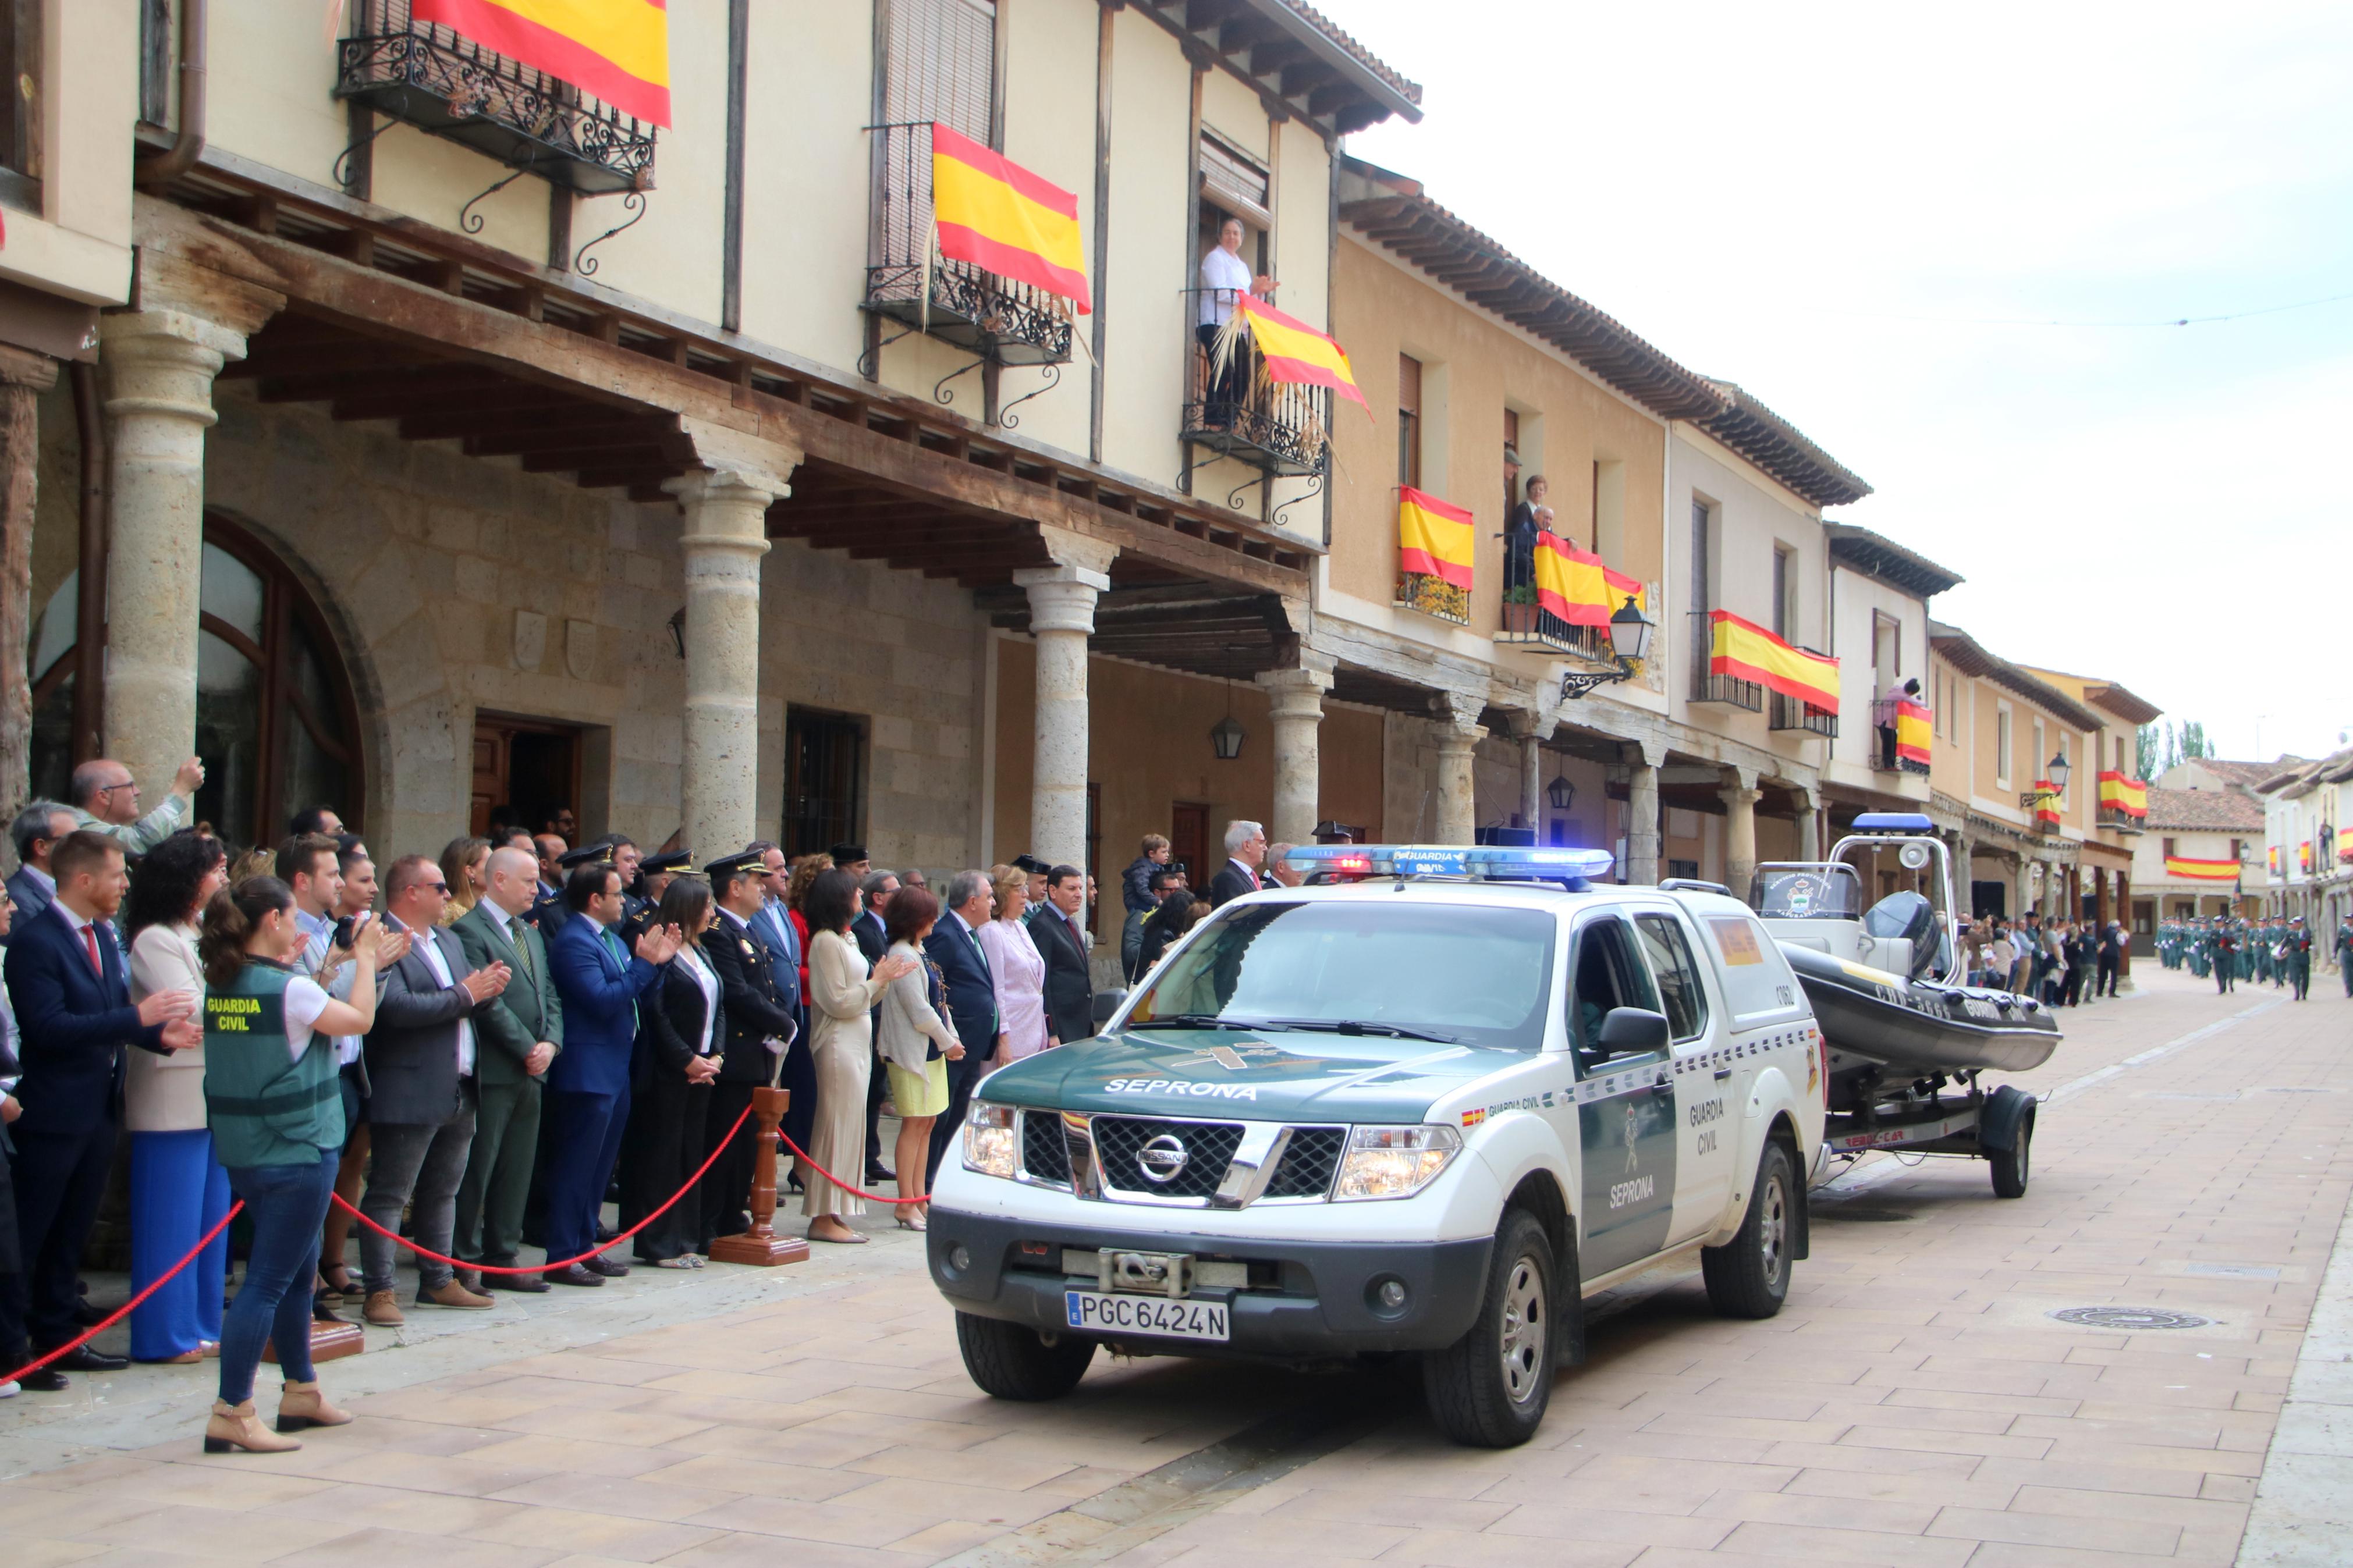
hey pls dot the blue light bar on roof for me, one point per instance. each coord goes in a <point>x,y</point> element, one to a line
<point>1495,861</point>
<point>1893,822</point>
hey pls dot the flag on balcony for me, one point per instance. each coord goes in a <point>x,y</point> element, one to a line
<point>1433,538</point>
<point>1294,352</point>
<point>1914,731</point>
<point>2128,797</point>
<point>2181,866</point>
<point>2046,810</point>
<point>2271,859</point>
<point>2304,856</point>
<point>1570,584</point>
<point>1746,651</point>
<point>2345,845</point>
<point>616,50</point>
<point>997,215</point>
<point>1623,589</point>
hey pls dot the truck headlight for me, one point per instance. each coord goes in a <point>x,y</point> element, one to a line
<point>991,1139</point>
<point>1395,1161</point>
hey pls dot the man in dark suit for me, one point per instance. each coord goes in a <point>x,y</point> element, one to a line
<point>588,1086</point>
<point>422,1058</point>
<point>760,1026</point>
<point>520,1037</point>
<point>773,926</point>
<point>16,1349</point>
<point>35,831</point>
<point>547,909</point>
<point>1245,853</point>
<point>875,891</point>
<point>1061,941</point>
<point>67,984</point>
<point>955,947</point>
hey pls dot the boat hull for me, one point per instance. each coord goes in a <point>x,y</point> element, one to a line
<point>1918,1027</point>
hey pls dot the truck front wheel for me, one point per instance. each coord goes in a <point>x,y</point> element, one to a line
<point>1490,1388</point>
<point>1748,1277</point>
<point>1010,1361</point>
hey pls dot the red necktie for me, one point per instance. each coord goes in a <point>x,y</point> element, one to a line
<point>90,941</point>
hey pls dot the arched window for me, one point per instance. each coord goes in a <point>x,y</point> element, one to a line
<point>276,723</point>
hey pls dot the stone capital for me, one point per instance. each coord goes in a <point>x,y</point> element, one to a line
<point>1295,693</point>
<point>726,508</point>
<point>728,459</point>
<point>1079,550</point>
<point>1062,598</point>
<point>1739,783</point>
<point>161,363</point>
<point>1644,754</point>
<point>1459,710</point>
<point>1528,724</point>
<point>1801,800</point>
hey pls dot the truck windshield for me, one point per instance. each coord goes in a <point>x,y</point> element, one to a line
<point>1470,976</point>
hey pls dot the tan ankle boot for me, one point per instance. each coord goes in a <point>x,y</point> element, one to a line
<point>236,1426</point>
<point>303,1405</point>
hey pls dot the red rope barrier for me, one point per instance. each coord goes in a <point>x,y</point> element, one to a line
<point>68,1349</point>
<point>837,1180</point>
<point>552,1265</point>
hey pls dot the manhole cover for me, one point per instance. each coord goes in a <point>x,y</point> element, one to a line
<point>1858,1211</point>
<point>2135,1318</point>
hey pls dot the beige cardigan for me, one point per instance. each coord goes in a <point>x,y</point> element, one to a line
<point>910,1025</point>
<point>165,1094</point>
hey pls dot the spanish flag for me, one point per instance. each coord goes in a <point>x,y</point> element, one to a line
<point>1914,731</point>
<point>2119,794</point>
<point>1570,584</point>
<point>1296,352</point>
<point>2271,859</point>
<point>2201,870</point>
<point>2046,810</point>
<point>615,50</point>
<point>2345,845</point>
<point>998,215</point>
<point>2304,856</point>
<point>1746,651</point>
<point>1433,538</point>
<point>1623,589</point>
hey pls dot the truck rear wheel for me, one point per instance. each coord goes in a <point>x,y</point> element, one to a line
<point>1748,1277</point>
<point>1489,1389</point>
<point>1011,1361</point>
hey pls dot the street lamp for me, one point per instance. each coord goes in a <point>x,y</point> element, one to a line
<point>2055,771</point>
<point>1560,792</point>
<point>1630,640</point>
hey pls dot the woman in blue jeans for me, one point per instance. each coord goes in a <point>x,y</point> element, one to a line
<point>274,1098</point>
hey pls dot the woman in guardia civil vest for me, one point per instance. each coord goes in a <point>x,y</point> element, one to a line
<point>274,1101</point>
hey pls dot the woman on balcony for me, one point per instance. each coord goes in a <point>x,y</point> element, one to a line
<point>1225,278</point>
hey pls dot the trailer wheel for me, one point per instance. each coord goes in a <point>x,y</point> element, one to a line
<point>1748,1277</point>
<point>2012,1166</point>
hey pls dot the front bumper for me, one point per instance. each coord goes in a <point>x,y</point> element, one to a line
<point>1318,1299</point>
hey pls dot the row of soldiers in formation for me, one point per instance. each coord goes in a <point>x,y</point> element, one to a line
<point>2231,948</point>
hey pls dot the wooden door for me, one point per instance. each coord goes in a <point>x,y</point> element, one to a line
<point>1189,845</point>
<point>530,766</point>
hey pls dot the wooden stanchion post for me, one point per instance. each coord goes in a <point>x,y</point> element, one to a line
<point>329,1341</point>
<point>761,1247</point>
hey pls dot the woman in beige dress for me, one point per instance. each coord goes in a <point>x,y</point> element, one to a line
<point>842,995</point>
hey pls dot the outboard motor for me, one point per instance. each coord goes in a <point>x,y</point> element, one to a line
<point>1911,918</point>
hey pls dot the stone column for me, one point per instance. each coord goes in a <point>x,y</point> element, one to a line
<point>1294,699</point>
<point>160,365</point>
<point>1061,618</point>
<point>1457,734</point>
<point>1531,730</point>
<point>1740,794</point>
<point>1643,840</point>
<point>1801,814</point>
<point>726,534</point>
<point>23,378</point>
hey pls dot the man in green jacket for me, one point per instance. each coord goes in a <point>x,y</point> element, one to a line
<point>519,1036</point>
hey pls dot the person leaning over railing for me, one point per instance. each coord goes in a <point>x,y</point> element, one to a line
<point>274,1095</point>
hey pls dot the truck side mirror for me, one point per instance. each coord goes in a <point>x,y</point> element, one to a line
<point>1628,1031</point>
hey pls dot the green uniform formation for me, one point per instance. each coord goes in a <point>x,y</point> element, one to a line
<point>2231,949</point>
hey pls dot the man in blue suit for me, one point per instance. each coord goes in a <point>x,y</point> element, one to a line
<point>66,982</point>
<point>588,1086</point>
<point>954,946</point>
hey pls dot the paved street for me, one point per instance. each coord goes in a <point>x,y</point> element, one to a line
<point>1915,1404</point>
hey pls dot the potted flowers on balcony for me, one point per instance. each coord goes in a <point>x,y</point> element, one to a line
<point>1520,608</point>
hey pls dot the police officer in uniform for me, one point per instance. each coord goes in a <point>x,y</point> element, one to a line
<point>2345,952</point>
<point>2225,947</point>
<point>655,874</point>
<point>758,1001</point>
<point>2295,949</point>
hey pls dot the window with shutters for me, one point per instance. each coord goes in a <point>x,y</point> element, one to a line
<point>937,66</point>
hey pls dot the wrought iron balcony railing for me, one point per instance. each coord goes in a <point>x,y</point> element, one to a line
<point>1280,427</point>
<point>1794,713</point>
<point>996,319</point>
<point>1883,757</point>
<point>447,85</point>
<point>1433,596</point>
<point>2112,817</point>
<point>1727,689</point>
<point>1532,625</point>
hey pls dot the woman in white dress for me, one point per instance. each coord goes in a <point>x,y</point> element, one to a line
<point>843,993</point>
<point>1019,969</point>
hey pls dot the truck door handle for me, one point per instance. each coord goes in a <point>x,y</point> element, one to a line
<point>1722,1073</point>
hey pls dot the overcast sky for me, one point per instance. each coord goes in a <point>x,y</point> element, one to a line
<point>1842,207</point>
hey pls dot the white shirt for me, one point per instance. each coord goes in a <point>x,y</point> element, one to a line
<point>431,950</point>
<point>1255,880</point>
<point>699,969</point>
<point>303,1002</point>
<point>1225,277</point>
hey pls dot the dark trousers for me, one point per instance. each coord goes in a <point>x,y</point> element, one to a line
<point>670,1123</point>
<point>286,1205</point>
<point>2108,985</point>
<point>13,1349</point>
<point>726,1206</point>
<point>877,1083</point>
<point>949,1128</point>
<point>490,1199</point>
<point>60,1176</point>
<point>584,1138</point>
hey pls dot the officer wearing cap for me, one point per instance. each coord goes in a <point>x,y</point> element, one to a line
<point>655,874</point>
<point>757,996</point>
<point>2296,956</point>
<point>853,859</point>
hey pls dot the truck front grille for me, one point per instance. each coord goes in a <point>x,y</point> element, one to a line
<point>1308,1164</point>
<point>1135,1155</point>
<point>1045,1152</point>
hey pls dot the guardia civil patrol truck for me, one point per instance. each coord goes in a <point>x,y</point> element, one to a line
<point>1423,1107</point>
